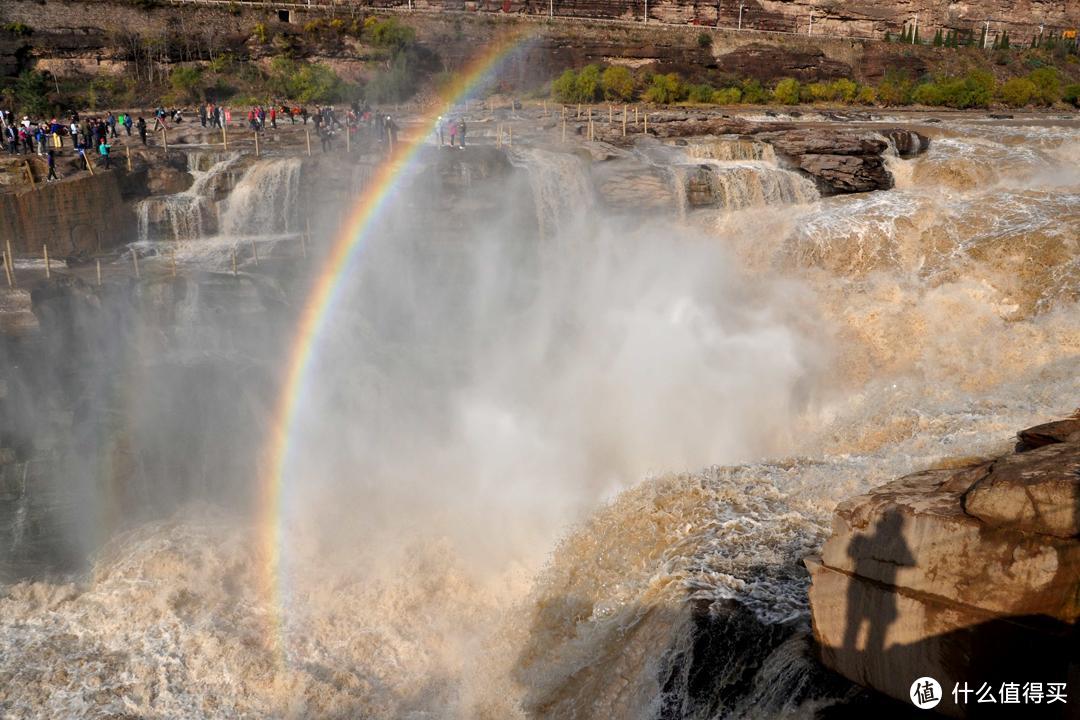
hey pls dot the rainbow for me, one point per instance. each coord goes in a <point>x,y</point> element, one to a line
<point>319,305</point>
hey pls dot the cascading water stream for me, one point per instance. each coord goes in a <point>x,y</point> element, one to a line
<point>506,516</point>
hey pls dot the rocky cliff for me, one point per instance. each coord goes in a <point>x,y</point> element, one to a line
<point>968,575</point>
<point>102,37</point>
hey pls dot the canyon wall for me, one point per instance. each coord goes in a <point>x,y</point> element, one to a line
<point>78,216</point>
<point>94,37</point>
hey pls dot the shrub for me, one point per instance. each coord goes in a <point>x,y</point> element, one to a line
<point>304,82</point>
<point>391,34</point>
<point>894,89</point>
<point>816,92</point>
<point>1071,94</point>
<point>786,91</point>
<point>564,88</point>
<point>928,94</point>
<point>753,92</point>
<point>618,83</point>
<point>18,28</point>
<point>31,88</point>
<point>1047,85</point>
<point>186,81</point>
<point>260,34</point>
<point>843,90</point>
<point>665,89</point>
<point>867,95</point>
<point>704,40</point>
<point>727,96</point>
<point>1017,92</point>
<point>588,84</point>
<point>700,94</point>
<point>222,63</point>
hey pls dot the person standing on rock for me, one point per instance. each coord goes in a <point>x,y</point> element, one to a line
<point>103,150</point>
<point>142,130</point>
<point>202,115</point>
<point>453,132</point>
<point>110,121</point>
<point>461,132</point>
<point>51,159</point>
<point>273,116</point>
<point>127,124</point>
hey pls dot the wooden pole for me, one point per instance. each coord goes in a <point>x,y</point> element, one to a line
<point>307,134</point>
<point>646,123</point>
<point>7,271</point>
<point>256,143</point>
<point>98,264</point>
<point>128,149</point>
<point>48,266</point>
<point>234,261</point>
<point>254,252</point>
<point>224,136</point>
<point>545,108</point>
<point>564,129</point>
<point>303,245</point>
<point>89,165</point>
<point>135,261</point>
<point>165,140</point>
<point>9,258</point>
<point>510,135</point>
<point>610,115</point>
<point>30,173</point>
<point>579,110</point>
<point>635,117</point>
<point>624,121</point>
<point>172,261</point>
<point>348,139</point>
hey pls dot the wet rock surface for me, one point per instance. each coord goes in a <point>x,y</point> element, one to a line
<point>960,574</point>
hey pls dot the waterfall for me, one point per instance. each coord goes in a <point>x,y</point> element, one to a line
<point>731,149</point>
<point>738,185</point>
<point>562,189</point>
<point>190,214</point>
<point>264,201</point>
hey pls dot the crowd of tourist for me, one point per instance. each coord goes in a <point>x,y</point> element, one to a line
<point>88,138</point>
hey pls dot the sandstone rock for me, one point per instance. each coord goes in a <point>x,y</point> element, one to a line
<point>846,173</point>
<point>963,574</point>
<point>166,180</point>
<point>1053,432</point>
<point>765,62</point>
<point>1037,491</point>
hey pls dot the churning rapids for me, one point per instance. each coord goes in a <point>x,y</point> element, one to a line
<point>571,472</point>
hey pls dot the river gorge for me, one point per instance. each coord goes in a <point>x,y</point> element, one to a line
<point>578,412</point>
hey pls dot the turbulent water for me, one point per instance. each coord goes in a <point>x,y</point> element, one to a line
<point>525,483</point>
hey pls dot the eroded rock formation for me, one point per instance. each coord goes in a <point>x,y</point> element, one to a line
<point>968,575</point>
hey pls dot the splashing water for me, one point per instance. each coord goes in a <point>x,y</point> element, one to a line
<point>499,511</point>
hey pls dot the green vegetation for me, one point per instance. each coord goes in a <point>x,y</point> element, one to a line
<point>18,29</point>
<point>786,92</point>
<point>1071,94</point>
<point>665,89</point>
<point>390,33</point>
<point>618,83</point>
<point>974,89</point>
<point>704,40</point>
<point>186,82</point>
<point>304,82</point>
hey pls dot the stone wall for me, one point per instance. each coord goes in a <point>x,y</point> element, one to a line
<point>73,216</point>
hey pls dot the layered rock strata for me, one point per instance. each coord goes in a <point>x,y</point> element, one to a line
<point>969,575</point>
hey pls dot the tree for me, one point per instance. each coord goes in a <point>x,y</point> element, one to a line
<point>31,91</point>
<point>701,94</point>
<point>1004,44</point>
<point>937,38</point>
<point>1017,92</point>
<point>1072,94</point>
<point>665,89</point>
<point>786,92</point>
<point>564,88</point>
<point>589,85</point>
<point>618,83</point>
<point>1047,85</point>
<point>186,81</point>
<point>391,34</point>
